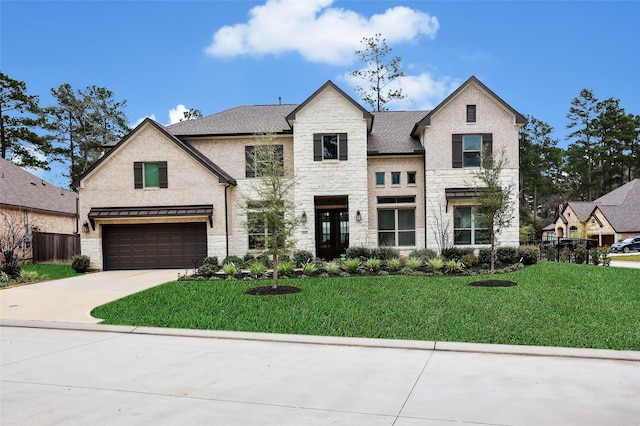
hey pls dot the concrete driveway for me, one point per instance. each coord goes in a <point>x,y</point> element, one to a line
<point>72,299</point>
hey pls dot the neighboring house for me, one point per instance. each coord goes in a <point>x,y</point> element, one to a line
<point>43,212</point>
<point>169,196</point>
<point>610,218</point>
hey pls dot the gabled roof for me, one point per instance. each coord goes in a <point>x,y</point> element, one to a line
<point>426,121</point>
<point>391,133</point>
<point>223,177</point>
<point>242,120</point>
<point>365,114</point>
<point>21,189</point>
<point>581,208</point>
<point>621,207</point>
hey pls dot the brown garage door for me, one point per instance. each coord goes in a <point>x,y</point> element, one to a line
<point>154,246</point>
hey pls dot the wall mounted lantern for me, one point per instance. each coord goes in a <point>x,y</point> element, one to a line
<point>85,227</point>
<point>303,218</point>
<point>358,216</point>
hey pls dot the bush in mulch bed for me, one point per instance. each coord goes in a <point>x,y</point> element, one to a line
<point>270,291</point>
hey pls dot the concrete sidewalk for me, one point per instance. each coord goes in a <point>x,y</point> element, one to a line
<point>72,299</point>
<point>132,376</point>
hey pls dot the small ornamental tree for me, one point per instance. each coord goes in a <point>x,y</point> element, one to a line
<point>13,233</point>
<point>495,211</point>
<point>271,218</point>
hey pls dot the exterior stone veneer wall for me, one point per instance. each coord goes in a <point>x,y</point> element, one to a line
<point>330,113</point>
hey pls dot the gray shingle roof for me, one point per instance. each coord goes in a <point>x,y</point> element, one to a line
<point>242,120</point>
<point>621,207</point>
<point>391,133</point>
<point>19,188</point>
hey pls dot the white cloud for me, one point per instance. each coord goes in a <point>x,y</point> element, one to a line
<point>141,119</point>
<point>176,114</point>
<point>423,91</point>
<point>316,31</point>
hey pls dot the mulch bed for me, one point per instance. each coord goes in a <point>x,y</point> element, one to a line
<point>493,283</point>
<point>270,291</point>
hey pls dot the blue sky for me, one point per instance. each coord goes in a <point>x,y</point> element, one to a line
<point>214,55</point>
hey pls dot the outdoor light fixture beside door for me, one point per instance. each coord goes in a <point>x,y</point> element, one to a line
<point>303,217</point>
<point>358,216</point>
<point>85,227</point>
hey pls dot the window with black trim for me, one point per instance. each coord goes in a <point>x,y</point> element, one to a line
<point>467,149</point>
<point>330,146</point>
<point>150,174</point>
<point>466,227</point>
<point>380,178</point>
<point>397,227</point>
<point>258,159</point>
<point>471,113</point>
<point>395,178</point>
<point>411,178</point>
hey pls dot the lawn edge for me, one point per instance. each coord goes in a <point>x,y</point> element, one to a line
<point>484,348</point>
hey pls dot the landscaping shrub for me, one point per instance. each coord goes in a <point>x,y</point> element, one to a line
<point>286,268</point>
<point>484,256</point>
<point>302,257</point>
<point>551,253</point>
<point>332,268</point>
<point>309,268</point>
<point>211,260</point>
<point>352,265</point>
<point>506,255</point>
<point>565,254</point>
<point>594,256</point>
<point>528,254</point>
<point>247,260</point>
<point>470,260</point>
<point>423,254</point>
<point>373,264</point>
<point>232,259</point>
<point>257,269</point>
<point>413,263</point>
<point>455,266</point>
<point>265,259</point>
<point>580,254</point>
<point>394,264</point>
<point>436,264</point>
<point>29,276</point>
<point>230,269</point>
<point>456,252</point>
<point>359,252</point>
<point>603,253</point>
<point>80,263</point>
<point>384,253</point>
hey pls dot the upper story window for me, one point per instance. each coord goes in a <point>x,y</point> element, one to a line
<point>260,158</point>
<point>471,113</point>
<point>330,146</point>
<point>395,178</point>
<point>411,178</point>
<point>467,149</point>
<point>150,174</point>
<point>380,178</point>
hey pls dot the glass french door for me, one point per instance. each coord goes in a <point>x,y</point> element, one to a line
<point>332,233</point>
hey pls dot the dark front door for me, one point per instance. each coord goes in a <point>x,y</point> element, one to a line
<point>332,233</point>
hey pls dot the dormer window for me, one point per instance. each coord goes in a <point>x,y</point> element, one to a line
<point>471,113</point>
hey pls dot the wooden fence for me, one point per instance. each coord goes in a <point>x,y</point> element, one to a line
<point>55,247</point>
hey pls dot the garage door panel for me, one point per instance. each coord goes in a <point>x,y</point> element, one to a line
<point>154,246</point>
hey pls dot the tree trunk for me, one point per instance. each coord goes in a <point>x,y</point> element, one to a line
<point>274,283</point>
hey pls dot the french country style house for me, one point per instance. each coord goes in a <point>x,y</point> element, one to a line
<point>168,196</point>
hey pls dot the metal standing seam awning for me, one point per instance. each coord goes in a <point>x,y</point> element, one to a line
<point>460,194</point>
<point>147,212</point>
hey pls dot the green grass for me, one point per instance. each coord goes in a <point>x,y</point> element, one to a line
<point>50,271</point>
<point>552,305</point>
<point>629,258</point>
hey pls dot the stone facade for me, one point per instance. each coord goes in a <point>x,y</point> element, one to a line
<point>222,139</point>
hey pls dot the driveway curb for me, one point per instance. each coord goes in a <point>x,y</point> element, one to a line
<point>548,351</point>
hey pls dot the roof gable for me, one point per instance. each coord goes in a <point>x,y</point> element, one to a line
<point>426,121</point>
<point>22,189</point>
<point>329,84</point>
<point>223,177</point>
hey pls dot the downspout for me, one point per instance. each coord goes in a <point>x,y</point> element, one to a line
<point>78,215</point>
<point>226,219</point>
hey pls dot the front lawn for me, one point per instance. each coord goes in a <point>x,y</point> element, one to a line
<point>554,304</point>
<point>49,271</point>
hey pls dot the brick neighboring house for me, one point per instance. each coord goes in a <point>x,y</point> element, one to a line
<point>167,196</point>
<point>45,211</point>
<point>608,219</point>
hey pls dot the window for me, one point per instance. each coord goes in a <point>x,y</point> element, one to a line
<point>396,200</point>
<point>466,229</point>
<point>395,178</point>
<point>330,146</point>
<point>411,178</point>
<point>397,227</point>
<point>260,231</point>
<point>258,159</point>
<point>380,178</point>
<point>467,149</point>
<point>471,113</point>
<point>150,175</point>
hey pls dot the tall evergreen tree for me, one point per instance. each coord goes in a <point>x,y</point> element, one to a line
<point>378,73</point>
<point>582,153</point>
<point>82,122</point>
<point>20,118</point>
